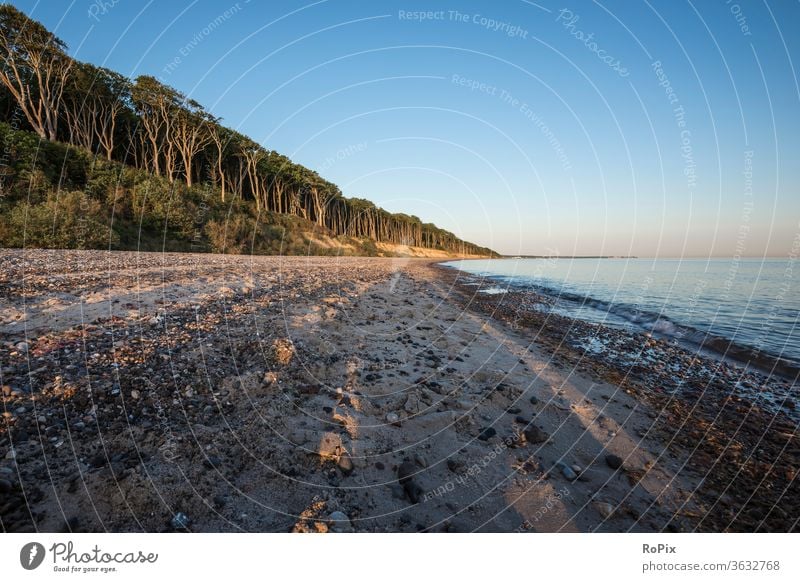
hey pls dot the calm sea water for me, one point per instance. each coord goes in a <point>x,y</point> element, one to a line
<point>753,303</point>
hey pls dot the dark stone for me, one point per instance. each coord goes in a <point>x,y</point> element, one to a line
<point>454,465</point>
<point>614,461</point>
<point>380,466</point>
<point>487,433</point>
<point>535,435</point>
<point>97,460</point>
<point>534,400</point>
<point>327,409</point>
<point>212,462</point>
<point>405,474</point>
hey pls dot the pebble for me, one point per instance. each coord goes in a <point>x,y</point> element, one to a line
<point>22,347</point>
<point>5,486</point>
<point>181,521</point>
<point>614,461</point>
<point>6,390</point>
<point>535,435</point>
<point>605,509</point>
<point>487,433</point>
<point>405,474</point>
<point>345,464</point>
<point>392,418</point>
<point>340,522</point>
<point>577,469</point>
<point>568,473</point>
<point>135,394</point>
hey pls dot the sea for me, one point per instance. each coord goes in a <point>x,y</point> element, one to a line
<point>742,309</point>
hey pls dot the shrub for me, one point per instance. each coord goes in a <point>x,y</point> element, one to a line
<point>70,221</point>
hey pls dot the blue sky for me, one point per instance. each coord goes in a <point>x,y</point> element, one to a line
<point>529,127</point>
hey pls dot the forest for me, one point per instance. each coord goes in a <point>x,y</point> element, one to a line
<point>92,159</point>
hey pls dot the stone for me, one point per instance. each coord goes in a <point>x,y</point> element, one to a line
<point>340,523</point>
<point>181,521</point>
<point>412,404</point>
<point>535,435</point>
<point>135,394</point>
<point>487,433</point>
<point>5,486</point>
<point>345,463</point>
<point>568,473</point>
<point>603,508</point>
<point>22,347</point>
<point>405,474</point>
<point>392,418</point>
<point>614,461</point>
<point>454,465</point>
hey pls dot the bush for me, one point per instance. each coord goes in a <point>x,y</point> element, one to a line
<point>69,221</point>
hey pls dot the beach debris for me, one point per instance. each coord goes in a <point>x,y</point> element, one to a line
<point>283,350</point>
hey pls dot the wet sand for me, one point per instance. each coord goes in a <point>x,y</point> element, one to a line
<point>154,392</point>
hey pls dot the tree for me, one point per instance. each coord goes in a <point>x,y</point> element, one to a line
<point>34,69</point>
<point>95,99</point>
<point>155,104</point>
<point>190,133</point>
<point>222,139</point>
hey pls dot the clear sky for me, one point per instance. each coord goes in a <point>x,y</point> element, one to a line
<point>647,128</point>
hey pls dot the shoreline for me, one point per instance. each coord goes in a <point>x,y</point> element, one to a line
<point>718,395</point>
<point>702,343</point>
<point>282,393</point>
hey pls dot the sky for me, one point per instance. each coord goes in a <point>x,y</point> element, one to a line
<point>653,128</point>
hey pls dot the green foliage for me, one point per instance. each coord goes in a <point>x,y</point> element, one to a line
<point>71,220</point>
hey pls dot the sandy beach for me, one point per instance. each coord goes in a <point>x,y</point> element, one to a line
<point>161,392</point>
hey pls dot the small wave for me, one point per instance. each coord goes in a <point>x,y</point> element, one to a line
<point>493,291</point>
